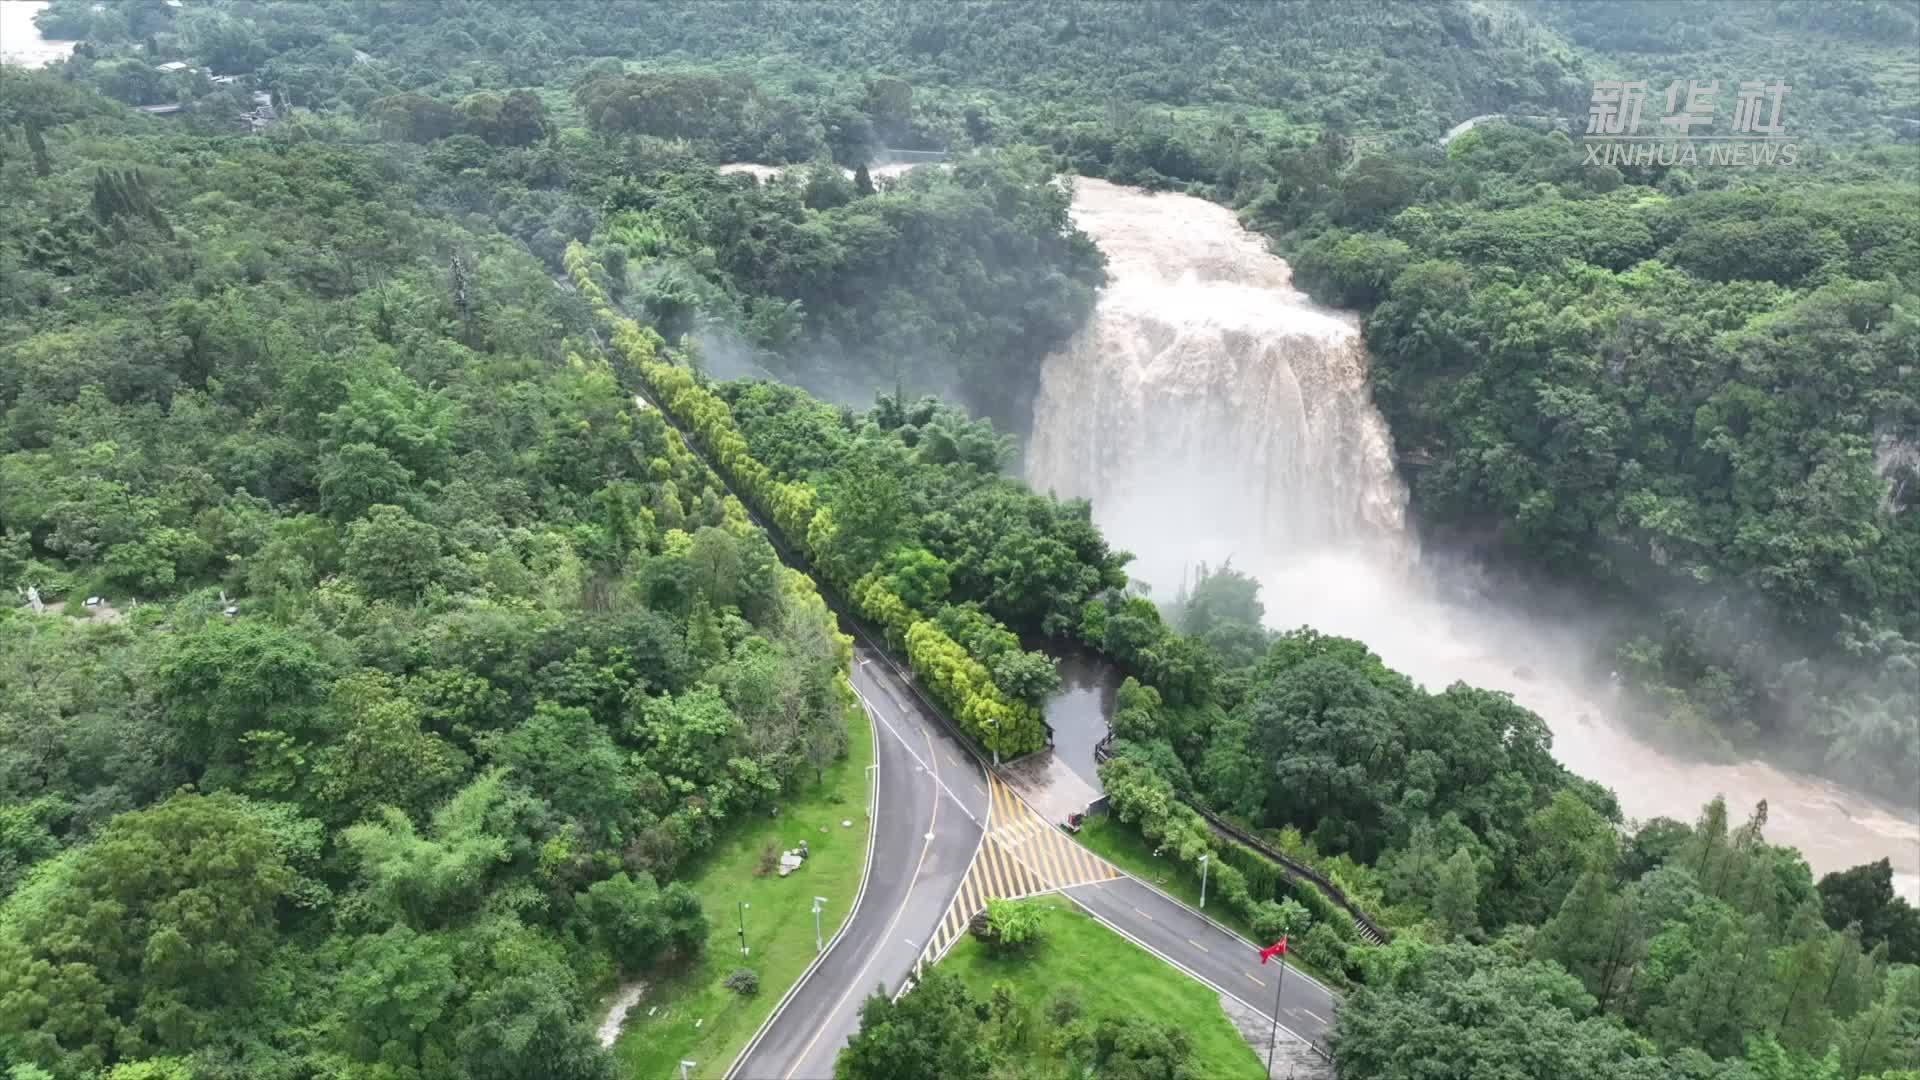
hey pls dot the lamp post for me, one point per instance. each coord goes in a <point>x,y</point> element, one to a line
<point>743,926</point>
<point>818,946</point>
<point>684,1066</point>
<point>1203,881</point>
<point>995,721</point>
<point>873,789</point>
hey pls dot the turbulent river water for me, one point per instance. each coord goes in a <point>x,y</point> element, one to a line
<point>1211,411</point>
<point>20,40</point>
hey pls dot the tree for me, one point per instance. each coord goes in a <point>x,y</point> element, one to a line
<point>380,755</point>
<point>522,120</point>
<point>1864,895</point>
<point>1030,677</point>
<point>433,880</point>
<point>228,679</point>
<point>1471,1011</point>
<point>358,476</point>
<point>145,939</point>
<point>1334,739</point>
<point>1595,935</point>
<point>1010,925</point>
<point>691,736</point>
<point>637,922</point>
<point>391,553</point>
<point>564,754</point>
<point>1456,893</point>
<point>523,1018</point>
<point>931,1033</point>
<point>1712,1003</point>
<point>1138,1049</point>
<point>398,990</point>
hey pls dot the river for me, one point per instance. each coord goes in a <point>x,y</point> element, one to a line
<point>20,42</point>
<point>1211,411</point>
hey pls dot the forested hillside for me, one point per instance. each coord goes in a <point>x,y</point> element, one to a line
<point>496,656</point>
<point>429,661</point>
<point>1696,394</point>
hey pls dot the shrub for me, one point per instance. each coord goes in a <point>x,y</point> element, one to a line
<point>743,981</point>
<point>1011,924</point>
<point>1295,919</point>
<point>1269,921</point>
<point>1324,949</point>
<point>1064,1006</point>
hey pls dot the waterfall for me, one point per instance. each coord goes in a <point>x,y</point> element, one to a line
<point>1207,390</point>
<point>1212,411</point>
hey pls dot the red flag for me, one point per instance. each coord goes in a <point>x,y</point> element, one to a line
<point>1272,951</point>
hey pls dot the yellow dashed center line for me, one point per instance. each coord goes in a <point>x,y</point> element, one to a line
<point>1197,945</point>
<point>1256,982</point>
<point>1143,914</point>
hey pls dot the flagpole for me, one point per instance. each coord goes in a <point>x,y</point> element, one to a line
<point>1274,1034</point>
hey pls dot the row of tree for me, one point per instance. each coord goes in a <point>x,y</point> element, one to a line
<point>958,682</point>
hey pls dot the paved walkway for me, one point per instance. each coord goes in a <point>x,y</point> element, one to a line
<point>1056,791</point>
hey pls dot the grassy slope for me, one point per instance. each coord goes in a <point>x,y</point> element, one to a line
<point>1123,846</point>
<point>699,1019</point>
<point>1114,978</point>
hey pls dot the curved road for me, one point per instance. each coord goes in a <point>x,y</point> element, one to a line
<point>932,811</point>
<point>931,806</point>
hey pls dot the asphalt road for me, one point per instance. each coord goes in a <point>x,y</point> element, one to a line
<point>931,809</point>
<point>930,783</point>
<point>932,804</point>
<point>1211,954</point>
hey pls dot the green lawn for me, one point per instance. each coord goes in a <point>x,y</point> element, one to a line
<point>697,1019</point>
<point>1114,977</point>
<point>1123,846</point>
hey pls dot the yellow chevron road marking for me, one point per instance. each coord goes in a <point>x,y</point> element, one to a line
<point>1022,854</point>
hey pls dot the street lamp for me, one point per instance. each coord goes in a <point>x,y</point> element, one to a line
<point>743,926</point>
<point>1203,881</point>
<point>684,1066</point>
<point>873,789</point>
<point>818,946</point>
<point>995,721</point>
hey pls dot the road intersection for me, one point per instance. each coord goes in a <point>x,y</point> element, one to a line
<point>933,813</point>
<point>948,835</point>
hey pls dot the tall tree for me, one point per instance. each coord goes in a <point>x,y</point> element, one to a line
<point>930,1033</point>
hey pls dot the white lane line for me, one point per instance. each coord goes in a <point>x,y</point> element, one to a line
<point>1211,921</point>
<point>1256,981</point>
<point>1178,966</point>
<point>1197,945</point>
<point>918,760</point>
<point>846,922</point>
<point>1315,1015</point>
<point>859,979</point>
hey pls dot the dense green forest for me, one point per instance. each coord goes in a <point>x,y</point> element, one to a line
<point>1696,394</point>
<point>430,659</point>
<point>499,656</point>
<point>1736,507</point>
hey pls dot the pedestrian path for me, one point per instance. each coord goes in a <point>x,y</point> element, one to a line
<point>1022,854</point>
